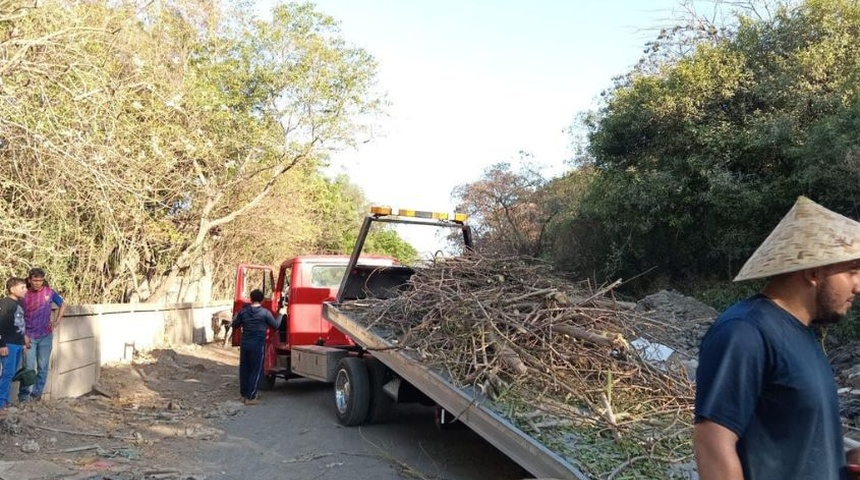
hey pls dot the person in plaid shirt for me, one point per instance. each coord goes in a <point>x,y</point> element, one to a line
<point>37,315</point>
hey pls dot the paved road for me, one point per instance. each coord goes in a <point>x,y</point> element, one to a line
<point>294,434</point>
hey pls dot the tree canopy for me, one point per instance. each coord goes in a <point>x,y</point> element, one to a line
<point>698,156</point>
<point>132,138</point>
<point>695,154</point>
<point>505,208</point>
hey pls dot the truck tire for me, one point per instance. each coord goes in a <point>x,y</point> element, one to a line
<point>381,405</point>
<point>351,391</point>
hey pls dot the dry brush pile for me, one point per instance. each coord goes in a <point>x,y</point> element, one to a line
<point>551,355</point>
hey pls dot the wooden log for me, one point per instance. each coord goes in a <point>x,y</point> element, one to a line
<point>610,416</point>
<point>614,340</point>
<point>507,355</point>
<point>603,302</point>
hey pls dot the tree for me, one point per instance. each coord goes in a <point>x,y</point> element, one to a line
<point>135,136</point>
<point>300,84</point>
<point>698,156</point>
<point>506,209</point>
<point>565,242</point>
<point>307,213</point>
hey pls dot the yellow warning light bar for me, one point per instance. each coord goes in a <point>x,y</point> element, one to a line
<point>419,214</point>
<point>380,210</point>
<point>458,217</point>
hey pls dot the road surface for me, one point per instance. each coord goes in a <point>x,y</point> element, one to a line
<point>294,434</point>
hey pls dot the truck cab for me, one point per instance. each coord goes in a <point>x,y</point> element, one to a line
<point>303,283</point>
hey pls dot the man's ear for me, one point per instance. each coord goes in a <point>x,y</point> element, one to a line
<point>814,275</point>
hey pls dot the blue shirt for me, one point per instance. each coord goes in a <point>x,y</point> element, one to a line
<point>254,321</point>
<point>763,375</point>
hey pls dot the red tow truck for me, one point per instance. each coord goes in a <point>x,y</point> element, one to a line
<point>302,284</point>
<point>324,339</point>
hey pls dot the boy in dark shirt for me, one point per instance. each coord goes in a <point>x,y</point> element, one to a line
<point>13,341</point>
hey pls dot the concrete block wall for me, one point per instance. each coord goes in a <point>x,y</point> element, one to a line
<point>93,335</point>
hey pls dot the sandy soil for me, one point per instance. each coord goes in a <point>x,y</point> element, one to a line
<point>144,419</point>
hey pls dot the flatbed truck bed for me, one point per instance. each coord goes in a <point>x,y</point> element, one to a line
<point>470,408</point>
<point>376,372</point>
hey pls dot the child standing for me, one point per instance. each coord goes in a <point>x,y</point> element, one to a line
<point>13,341</point>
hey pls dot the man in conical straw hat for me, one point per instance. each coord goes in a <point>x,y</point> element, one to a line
<point>766,404</point>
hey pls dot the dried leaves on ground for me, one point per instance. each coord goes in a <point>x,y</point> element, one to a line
<point>145,419</point>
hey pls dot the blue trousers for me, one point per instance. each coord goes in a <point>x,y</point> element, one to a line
<point>10,367</point>
<point>250,367</point>
<point>38,358</point>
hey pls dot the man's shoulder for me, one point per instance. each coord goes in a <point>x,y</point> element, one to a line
<point>758,317</point>
<point>757,309</point>
<point>8,305</point>
<point>49,292</point>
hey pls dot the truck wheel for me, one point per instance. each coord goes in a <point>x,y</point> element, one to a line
<point>381,404</point>
<point>351,391</point>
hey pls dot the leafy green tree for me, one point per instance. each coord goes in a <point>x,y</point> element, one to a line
<point>563,198</point>
<point>387,241</point>
<point>132,137</point>
<point>699,155</point>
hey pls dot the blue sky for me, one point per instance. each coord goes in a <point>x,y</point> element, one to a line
<point>474,82</point>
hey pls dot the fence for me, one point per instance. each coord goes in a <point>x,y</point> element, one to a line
<point>93,335</point>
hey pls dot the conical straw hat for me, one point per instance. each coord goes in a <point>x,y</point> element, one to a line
<point>808,236</point>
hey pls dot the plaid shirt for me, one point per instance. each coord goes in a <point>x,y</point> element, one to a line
<point>37,311</point>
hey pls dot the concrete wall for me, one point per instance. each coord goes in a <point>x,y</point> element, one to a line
<point>93,335</point>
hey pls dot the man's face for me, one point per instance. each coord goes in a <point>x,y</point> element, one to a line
<point>835,296</point>
<point>19,291</point>
<point>37,282</point>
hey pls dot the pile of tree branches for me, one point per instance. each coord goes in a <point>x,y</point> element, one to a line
<point>554,356</point>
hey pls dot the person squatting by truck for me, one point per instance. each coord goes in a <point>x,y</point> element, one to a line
<point>254,321</point>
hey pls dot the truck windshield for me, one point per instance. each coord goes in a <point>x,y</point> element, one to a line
<point>257,278</point>
<point>327,276</point>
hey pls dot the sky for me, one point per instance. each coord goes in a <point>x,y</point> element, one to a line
<point>474,82</point>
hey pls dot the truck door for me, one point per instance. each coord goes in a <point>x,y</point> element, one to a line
<point>248,278</point>
<point>282,302</point>
<point>318,282</point>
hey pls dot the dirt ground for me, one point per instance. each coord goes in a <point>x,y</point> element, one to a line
<point>142,421</point>
<point>147,419</point>
<point>150,418</point>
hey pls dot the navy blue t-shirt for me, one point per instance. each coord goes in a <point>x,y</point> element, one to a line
<point>254,320</point>
<point>763,375</point>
